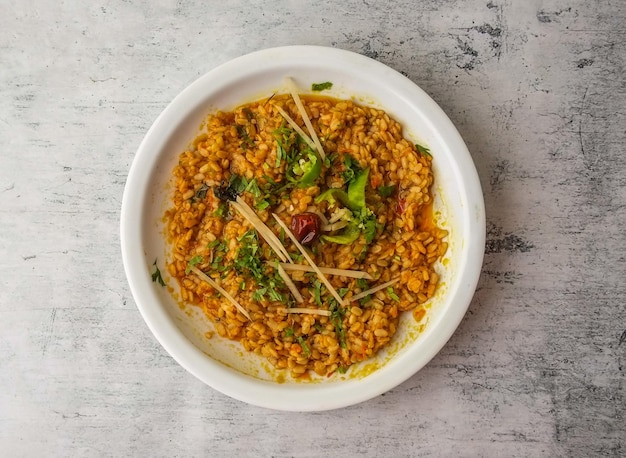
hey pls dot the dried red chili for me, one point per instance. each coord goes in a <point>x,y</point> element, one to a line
<point>306,227</point>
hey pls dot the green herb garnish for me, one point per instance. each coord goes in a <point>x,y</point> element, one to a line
<point>248,112</point>
<point>200,193</point>
<point>289,332</point>
<point>342,292</point>
<point>317,292</point>
<point>321,86</point>
<point>243,134</point>
<point>222,209</point>
<point>387,191</point>
<point>423,150</point>
<point>236,185</point>
<point>214,243</point>
<point>253,188</point>
<point>259,294</point>
<point>193,262</point>
<point>392,294</point>
<point>156,275</point>
<point>337,314</point>
<point>352,168</point>
<point>262,204</point>
<point>305,347</point>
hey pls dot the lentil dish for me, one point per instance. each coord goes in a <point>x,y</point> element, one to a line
<point>354,192</point>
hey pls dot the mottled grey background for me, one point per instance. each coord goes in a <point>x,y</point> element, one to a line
<point>536,88</point>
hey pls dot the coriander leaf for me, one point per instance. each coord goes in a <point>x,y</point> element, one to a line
<point>156,275</point>
<point>305,347</point>
<point>337,314</point>
<point>243,134</point>
<point>222,209</point>
<point>213,244</point>
<point>200,193</point>
<point>248,112</point>
<point>342,292</point>
<point>351,168</point>
<point>262,204</point>
<point>236,185</point>
<point>369,228</point>
<point>387,191</point>
<point>392,294</point>
<point>423,150</point>
<point>342,369</point>
<point>253,188</point>
<point>321,86</point>
<point>275,295</point>
<point>362,284</point>
<point>192,263</point>
<point>280,154</point>
<point>317,292</point>
<point>289,332</point>
<point>259,294</point>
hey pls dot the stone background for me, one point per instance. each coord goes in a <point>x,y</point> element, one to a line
<point>536,88</point>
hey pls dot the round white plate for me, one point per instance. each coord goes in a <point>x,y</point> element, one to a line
<point>223,364</point>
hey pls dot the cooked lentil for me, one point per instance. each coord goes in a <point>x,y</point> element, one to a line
<point>252,152</point>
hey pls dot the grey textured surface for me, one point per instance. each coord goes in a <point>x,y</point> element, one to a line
<point>536,88</point>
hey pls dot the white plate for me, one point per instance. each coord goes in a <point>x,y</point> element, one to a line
<point>223,364</point>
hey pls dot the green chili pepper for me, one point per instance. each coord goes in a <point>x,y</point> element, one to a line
<point>335,194</point>
<point>306,170</point>
<point>356,189</point>
<point>349,235</point>
<point>354,199</point>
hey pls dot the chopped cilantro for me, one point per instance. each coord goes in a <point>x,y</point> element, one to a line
<point>317,292</point>
<point>337,314</point>
<point>253,188</point>
<point>248,112</point>
<point>392,294</point>
<point>289,332</point>
<point>282,235</point>
<point>243,134</point>
<point>342,369</point>
<point>236,185</point>
<point>342,292</point>
<point>219,248</point>
<point>295,256</point>
<point>280,154</point>
<point>193,262</point>
<point>262,204</point>
<point>387,191</point>
<point>369,228</point>
<point>321,86</point>
<point>259,294</point>
<point>156,275</point>
<point>351,168</point>
<point>423,150</point>
<point>200,193</point>
<point>305,347</point>
<point>222,209</point>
